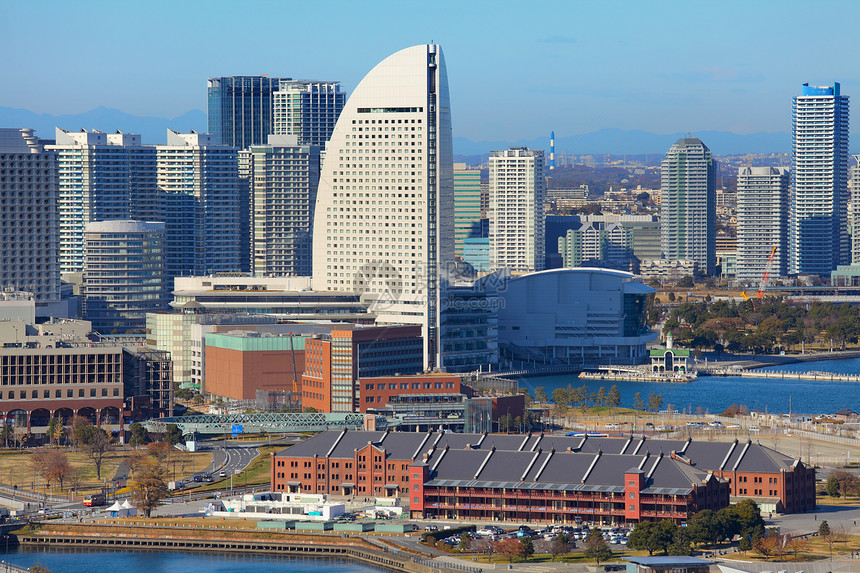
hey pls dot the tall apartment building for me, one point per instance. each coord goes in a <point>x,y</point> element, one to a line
<point>688,220</point>
<point>762,221</point>
<point>384,223</point>
<point>284,177</point>
<point>101,177</point>
<point>516,212</point>
<point>29,228</point>
<point>307,109</point>
<point>467,205</point>
<point>201,204</point>
<point>818,234</point>
<point>123,274</point>
<point>606,244</point>
<point>854,214</point>
<point>240,109</point>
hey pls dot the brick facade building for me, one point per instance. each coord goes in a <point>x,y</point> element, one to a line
<point>543,477</point>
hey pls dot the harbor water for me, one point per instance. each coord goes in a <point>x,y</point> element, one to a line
<point>716,393</point>
<point>99,561</point>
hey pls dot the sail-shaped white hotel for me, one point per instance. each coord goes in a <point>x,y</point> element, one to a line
<point>384,221</point>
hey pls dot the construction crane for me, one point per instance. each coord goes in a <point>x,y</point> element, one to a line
<point>764,278</point>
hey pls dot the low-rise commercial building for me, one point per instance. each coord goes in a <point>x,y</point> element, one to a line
<point>287,298</point>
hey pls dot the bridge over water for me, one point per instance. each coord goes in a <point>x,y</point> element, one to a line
<point>270,422</point>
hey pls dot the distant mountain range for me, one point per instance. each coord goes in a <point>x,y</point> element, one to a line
<point>151,129</point>
<point>635,142</point>
<point>614,141</point>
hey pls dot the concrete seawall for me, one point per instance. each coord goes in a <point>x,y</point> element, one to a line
<point>391,560</point>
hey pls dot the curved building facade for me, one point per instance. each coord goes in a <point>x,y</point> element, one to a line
<point>123,274</point>
<point>582,317</point>
<point>384,223</point>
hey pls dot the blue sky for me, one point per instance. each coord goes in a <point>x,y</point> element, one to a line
<point>516,69</point>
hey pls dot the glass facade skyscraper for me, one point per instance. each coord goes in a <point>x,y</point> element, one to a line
<point>818,232</point>
<point>240,109</point>
<point>123,274</point>
<point>307,109</point>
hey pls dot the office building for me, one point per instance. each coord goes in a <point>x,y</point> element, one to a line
<point>577,317</point>
<point>29,228</point>
<point>763,193</point>
<point>384,224</point>
<point>101,177</point>
<point>818,229</point>
<point>240,362</point>
<point>476,252</point>
<point>467,205</point>
<point>240,109</point>
<point>200,203</point>
<point>516,213</point>
<point>175,334</point>
<point>470,324</point>
<point>123,274</point>
<point>688,215</point>
<point>307,109</point>
<point>283,178</point>
<point>334,363</point>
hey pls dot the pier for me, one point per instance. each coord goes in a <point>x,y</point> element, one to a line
<point>823,376</point>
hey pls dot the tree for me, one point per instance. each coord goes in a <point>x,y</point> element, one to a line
<point>655,401</point>
<point>510,547</point>
<point>561,545</point>
<point>846,480</point>
<point>79,423</point>
<point>173,435</point>
<point>183,394</point>
<point>464,541</point>
<point>796,545</point>
<point>831,535</point>
<point>148,487</point>
<point>139,435</point>
<point>309,410</point>
<point>541,395</point>
<point>705,527</point>
<point>161,452</point>
<point>596,547</point>
<point>638,403</point>
<point>55,430</point>
<point>613,398</point>
<point>57,467</point>
<point>832,487</point>
<point>528,548</point>
<point>561,397</point>
<point>95,443</point>
<point>648,536</point>
<point>680,543</point>
<point>76,478</point>
<point>485,546</point>
<point>7,433</point>
<point>685,282</point>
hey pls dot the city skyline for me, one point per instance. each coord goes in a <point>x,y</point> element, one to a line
<point>575,68</point>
